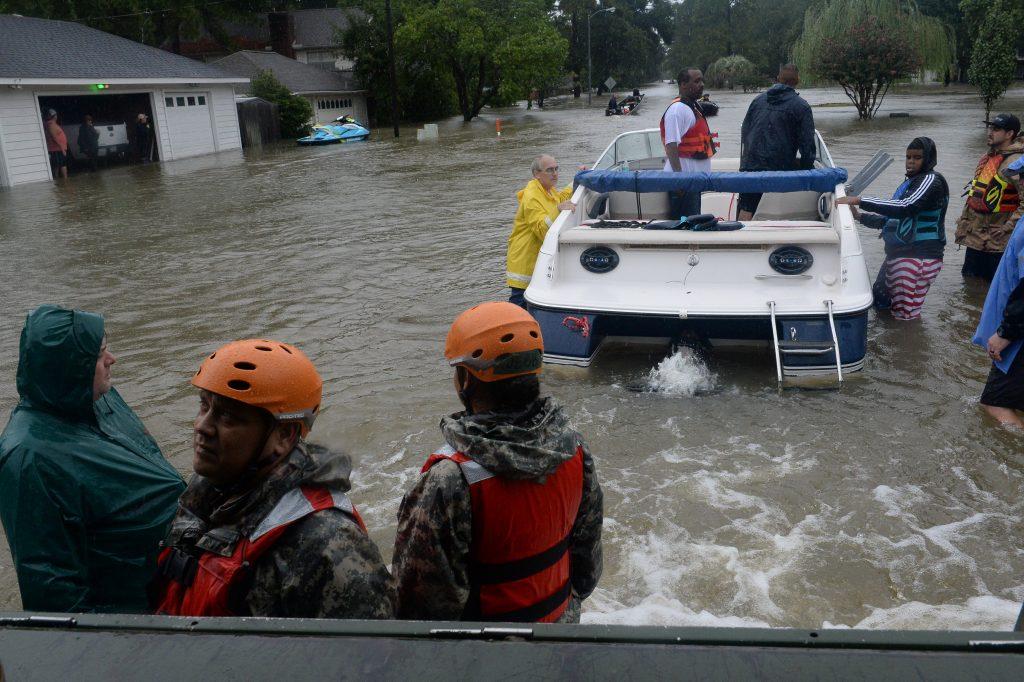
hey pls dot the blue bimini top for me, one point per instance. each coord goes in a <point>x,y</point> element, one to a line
<point>817,180</point>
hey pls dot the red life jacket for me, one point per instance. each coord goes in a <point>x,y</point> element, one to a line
<point>989,192</point>
<point>520,568</point>
<point>698,142</point>
<point>207,586</point>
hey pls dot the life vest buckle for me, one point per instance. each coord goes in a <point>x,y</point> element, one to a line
<point>179,566</point>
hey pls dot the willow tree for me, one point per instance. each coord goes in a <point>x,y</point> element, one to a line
<point>867,45</point>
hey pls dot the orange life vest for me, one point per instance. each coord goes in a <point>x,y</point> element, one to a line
<point>989,192</point>
<point>207,586</point>
<point>698,142</point>
<point>520,568</point>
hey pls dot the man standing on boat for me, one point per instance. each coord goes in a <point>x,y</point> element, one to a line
<point>993,200</point>
<point>265,527</point>
<point>689,142</point>
<point>539,204</point>
<point>779,123</point>
<point>504,523</point>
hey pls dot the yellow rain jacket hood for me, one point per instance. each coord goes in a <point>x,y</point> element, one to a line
<point>538,209</point>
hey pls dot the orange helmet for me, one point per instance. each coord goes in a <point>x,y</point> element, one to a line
<point>495,341</point>
<point>276,377</point>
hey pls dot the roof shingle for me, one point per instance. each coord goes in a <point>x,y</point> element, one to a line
<point>45,48</point>
<point>294,75</point>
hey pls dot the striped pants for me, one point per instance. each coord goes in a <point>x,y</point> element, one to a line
<point>908,281</point>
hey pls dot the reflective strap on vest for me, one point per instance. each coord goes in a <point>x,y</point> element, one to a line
<point>301,502</point>
<point>535,612</point>
<point>516,277</point>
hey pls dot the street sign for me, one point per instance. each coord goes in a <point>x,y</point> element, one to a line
<point>610,83</point>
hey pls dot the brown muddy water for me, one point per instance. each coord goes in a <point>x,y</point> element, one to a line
<point>891,503</point>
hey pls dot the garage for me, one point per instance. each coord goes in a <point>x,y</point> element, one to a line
<point>114,116</point>
<point>77,71</point>
<point>189,122</point>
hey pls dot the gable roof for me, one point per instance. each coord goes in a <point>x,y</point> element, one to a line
<point>48,51</point>
<point>317,27</point>
<point>294,75</point>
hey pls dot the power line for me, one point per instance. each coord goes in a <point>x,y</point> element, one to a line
<point>148,12</point>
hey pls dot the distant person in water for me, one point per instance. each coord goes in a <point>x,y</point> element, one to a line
<point>778,126</point>
<point>613,103</point>
<point>143,138</point>
<point>912,226</point>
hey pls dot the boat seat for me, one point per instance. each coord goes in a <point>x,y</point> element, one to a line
<point>622,205</point>
<point>788,206</point>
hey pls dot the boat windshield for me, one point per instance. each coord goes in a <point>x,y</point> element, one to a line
<point>632,146</point>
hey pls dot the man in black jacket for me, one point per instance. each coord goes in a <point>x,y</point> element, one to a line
<point>778,124</point>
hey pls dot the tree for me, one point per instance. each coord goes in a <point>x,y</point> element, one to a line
<point>993,60</point>
<point>732,71</point>
<point>491,49</point>
<point>295,111</point>
<point>867,45</point>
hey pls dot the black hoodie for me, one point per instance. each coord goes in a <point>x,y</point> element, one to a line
<point>778,124</point>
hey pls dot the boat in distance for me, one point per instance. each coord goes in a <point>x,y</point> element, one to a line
<point>620,268</point>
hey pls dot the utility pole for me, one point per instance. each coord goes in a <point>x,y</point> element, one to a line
<point>391,69</point>
<point>590,65</point>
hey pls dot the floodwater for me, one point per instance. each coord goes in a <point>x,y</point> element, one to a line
<point>891,503</point>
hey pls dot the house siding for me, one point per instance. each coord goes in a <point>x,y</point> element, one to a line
<point>23,155</point>
<point>225,115</point>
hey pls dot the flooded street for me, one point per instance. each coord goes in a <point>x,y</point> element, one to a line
<point>891,503</point>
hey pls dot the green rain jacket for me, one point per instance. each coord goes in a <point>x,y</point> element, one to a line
<point>85,494</point>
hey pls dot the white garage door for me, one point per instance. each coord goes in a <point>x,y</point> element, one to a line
<point>189,124</point>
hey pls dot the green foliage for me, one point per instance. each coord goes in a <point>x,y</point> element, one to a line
<point>425,90</point>
<point>295,111</point>
<point>867,45</point>
<point>153,22</point>
<point>627,44</point>
<point>732,71</point>
<point>993,61</point>
<point>762,30</point>
<point>490,48</point>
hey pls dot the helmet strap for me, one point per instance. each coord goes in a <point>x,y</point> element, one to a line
<point>466,388</point>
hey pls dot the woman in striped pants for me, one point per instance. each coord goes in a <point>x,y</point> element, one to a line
<point>912,225</point>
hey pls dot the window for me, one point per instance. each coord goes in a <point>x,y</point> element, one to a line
<point>202,100</point>
<point>191,101</point>
<point>181,101</point>
<point>169,101</point>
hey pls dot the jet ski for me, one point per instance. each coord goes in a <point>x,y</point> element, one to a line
<point>342,129</point>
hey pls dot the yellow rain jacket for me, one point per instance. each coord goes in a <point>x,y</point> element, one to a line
<point>538,209</point>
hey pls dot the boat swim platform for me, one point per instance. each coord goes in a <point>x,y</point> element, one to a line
<point>104,646</point>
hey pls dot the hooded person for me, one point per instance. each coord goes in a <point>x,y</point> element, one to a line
<point>1001,329</point>
<point>778,126</point>
<point>912,225</point>
<point>504,523</point>
<point>85,494</point>
<point>266,527</point>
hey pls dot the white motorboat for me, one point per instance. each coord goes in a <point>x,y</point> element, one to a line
<point>793,277</point>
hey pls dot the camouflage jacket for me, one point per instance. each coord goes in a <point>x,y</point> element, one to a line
<point>991,231</point>
<point>435,521</point>
<point>323,566</point>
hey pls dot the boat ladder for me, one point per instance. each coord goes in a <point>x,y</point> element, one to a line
<point>792,348</point>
